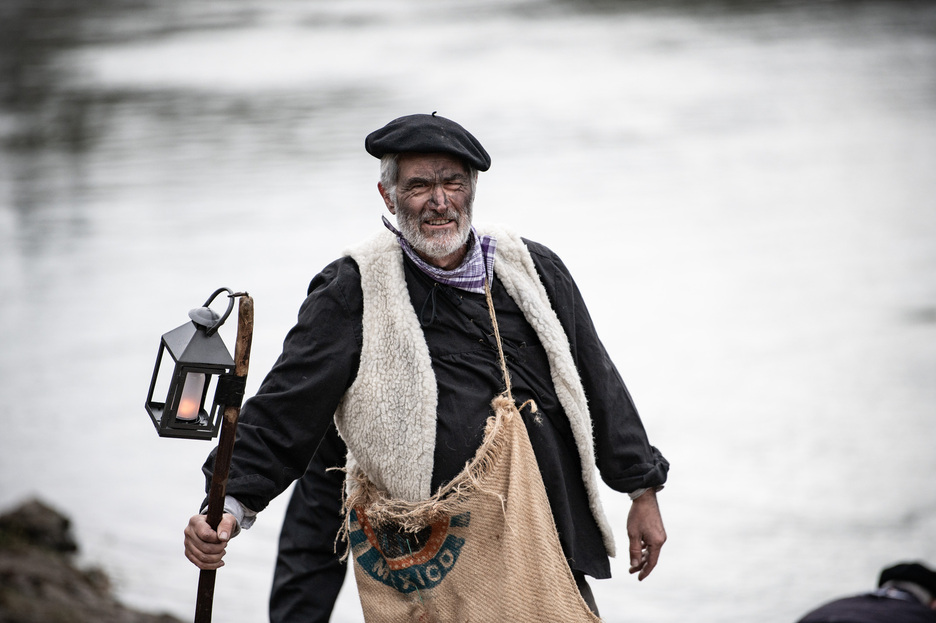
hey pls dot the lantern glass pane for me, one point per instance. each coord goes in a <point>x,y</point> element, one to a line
<point>209,394</point>
<point>163,377</point>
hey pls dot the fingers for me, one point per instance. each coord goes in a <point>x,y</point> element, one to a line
<point>639,559</point>
<point>644,561</point>
<point>645,552</point>
<point>652,560</point>
<point>204,547</point>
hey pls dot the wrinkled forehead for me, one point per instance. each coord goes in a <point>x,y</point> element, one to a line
<point>430,166</point>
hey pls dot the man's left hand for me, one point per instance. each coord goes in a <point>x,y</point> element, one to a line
<point>646,534</point>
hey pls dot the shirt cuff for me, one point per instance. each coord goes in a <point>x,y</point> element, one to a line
<point>243,515</point>
<point>639,492</point>
<point>636,494</point>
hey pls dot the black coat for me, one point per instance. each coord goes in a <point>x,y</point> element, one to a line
<point>283,424</point>
<point>871,608</point>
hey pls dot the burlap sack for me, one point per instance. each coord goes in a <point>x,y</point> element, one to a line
<point>483,550</point>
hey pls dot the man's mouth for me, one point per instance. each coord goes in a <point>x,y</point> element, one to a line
<point>438,222</point>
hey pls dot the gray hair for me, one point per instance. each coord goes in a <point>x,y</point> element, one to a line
<point>390,175</point>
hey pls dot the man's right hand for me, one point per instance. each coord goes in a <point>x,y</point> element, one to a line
<point>206,547</point>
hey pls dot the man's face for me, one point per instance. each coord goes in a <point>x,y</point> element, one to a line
<point>433,206</point>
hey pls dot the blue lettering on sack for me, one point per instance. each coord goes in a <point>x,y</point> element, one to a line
<point>412,570</point>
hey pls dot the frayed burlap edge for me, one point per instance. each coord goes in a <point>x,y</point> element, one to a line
<point>412,517</point>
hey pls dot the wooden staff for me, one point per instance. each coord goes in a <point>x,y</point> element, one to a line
<point>222,466</point>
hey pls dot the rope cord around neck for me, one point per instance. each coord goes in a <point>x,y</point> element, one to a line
<point>500,346</point>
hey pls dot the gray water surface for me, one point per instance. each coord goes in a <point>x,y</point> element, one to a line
<point>743,191</point>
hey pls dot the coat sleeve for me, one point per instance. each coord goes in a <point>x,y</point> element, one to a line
<point>281,426</point>
<point>624,456</point>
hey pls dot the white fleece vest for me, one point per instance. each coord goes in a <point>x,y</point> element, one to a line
<point>387,417</point>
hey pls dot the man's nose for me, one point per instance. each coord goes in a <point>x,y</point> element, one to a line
<point>437,196</point>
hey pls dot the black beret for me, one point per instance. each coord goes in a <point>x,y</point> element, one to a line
<point>910,572</point>
<point>427,134</point>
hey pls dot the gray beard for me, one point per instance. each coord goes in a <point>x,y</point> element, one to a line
<point>435,246</point>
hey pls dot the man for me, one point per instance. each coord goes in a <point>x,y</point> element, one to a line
<point>395,341</point>
<point>906,594</point>
<point>306,556</point>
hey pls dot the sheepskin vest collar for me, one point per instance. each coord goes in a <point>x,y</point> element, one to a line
<point>387,417</point>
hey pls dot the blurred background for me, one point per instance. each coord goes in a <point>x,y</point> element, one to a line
<point>744,191</point>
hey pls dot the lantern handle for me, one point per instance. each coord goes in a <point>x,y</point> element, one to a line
<point>227,313</point>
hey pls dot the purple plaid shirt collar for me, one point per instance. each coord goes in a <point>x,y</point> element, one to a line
<point>470,274</point>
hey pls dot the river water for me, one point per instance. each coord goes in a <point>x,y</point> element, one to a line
<point>744,191</point>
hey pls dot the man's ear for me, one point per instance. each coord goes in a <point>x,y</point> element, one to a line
<point>388,200</point>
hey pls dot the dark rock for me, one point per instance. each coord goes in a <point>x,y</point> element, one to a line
<point>39,582</point>
<point>36,524</point>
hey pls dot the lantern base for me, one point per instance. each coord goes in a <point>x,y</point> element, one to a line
<point>200,428</point>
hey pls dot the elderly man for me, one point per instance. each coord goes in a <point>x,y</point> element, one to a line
<point>396,343</point>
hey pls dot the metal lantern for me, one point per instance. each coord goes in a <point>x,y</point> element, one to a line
<point>199,354</point>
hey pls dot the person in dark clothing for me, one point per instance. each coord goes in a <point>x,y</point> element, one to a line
<point>906,594</point>
<point>309,573</point>
<point>412,408</point>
